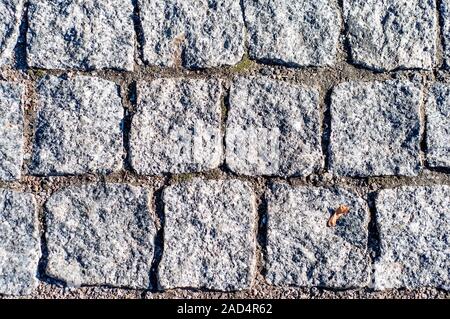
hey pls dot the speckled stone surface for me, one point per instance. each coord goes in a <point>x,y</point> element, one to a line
<point>303,251</point>
<point>414,229</point>
<point>273,128</point>
<point>19,243</point>
<point>375,129</point>
<point>84,35</point>
<point>11,130</point>
<point>291,32</point>
<point>391,34</point>
<point>176,127</point>
<point>438,125</point>
<point>78,127</point>
<point>197,149</point>
<point>209,235</point>
<point>445,30</point>
<point>10,18</point>
<point>193,34</point>
<point>100,234</point>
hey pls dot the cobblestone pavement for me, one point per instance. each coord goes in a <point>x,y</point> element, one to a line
<point>164,149</point>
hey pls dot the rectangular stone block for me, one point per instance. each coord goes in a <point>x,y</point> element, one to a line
<point>200,34</point>
<point>209,235</point>
<point>414,229</point>
<point>176,127</point>
<point>391,34</point>
<point>303,251</point>
<point>10,18</point>
<point>101,234</point>
<point>84,35</point>
<point>292,32</point>
<point>375,129</point>
<point>438,125</point>
<point>11,130</point>
<point>273,128</point>
<point>20,248</point>
<point>78,127</point>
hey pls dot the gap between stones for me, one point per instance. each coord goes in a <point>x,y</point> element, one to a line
<point>139,31</point>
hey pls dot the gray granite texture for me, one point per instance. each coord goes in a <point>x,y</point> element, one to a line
<point>100,234</point>
<point>78,127</point>
<point>10,19</point>
<point>438,125</point>
<point>82,35</point>
<point>303,251</point>
<point>414,229</point>
<point>273,128</point>
<point>375,129</point>
<point>292,32</point>
<point>445,30</point>
<point>209,235</point>
<point>20,248</point>
<point>194,34</point>
<point>11,130</point>
<point>176,127</point>
<point>391,34</point>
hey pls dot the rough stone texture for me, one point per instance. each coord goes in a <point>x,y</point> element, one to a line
<point>11,130</point>
<point>445,30</point>
<point>19,243</point>
<point>375,129</point>
<point>10,14</point>
<point>100,235</point>
<point>78,127</point>
<point>273,128</point>
<point>72,34</point>
<point>209,235</point>
<point>414,229</point>
<point>305,20</point>
<point>391,34</point>
<point>438,125</point>
<point>303,251</point>
<point>176,128</point>
<point>292,32</point>
<point>194,34</point>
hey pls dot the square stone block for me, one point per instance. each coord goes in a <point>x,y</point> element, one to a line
<point>78,127</point>
<point>273,128</point>
<point>209,235</point>
<point>303,251</point>
<point>176,127</point>
<point>82,35</point>
<point>375,129</point>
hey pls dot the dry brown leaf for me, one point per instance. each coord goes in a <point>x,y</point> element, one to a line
<point>338,213</point>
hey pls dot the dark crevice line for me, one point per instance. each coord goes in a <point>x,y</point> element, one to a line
<point>246,43</point>
<point>262,223</point>
<point>131,96</point>
<point>43,260</point>
<point>20,50</point>
<point>326,129</point>
<point>224,118</point>
<point>346,47</point>
<point>373,242</point>
<point>139,30</point>
<point>159,239</point>
<point>423,148</point>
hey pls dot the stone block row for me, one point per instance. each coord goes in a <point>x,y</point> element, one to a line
<point>273,128</point>
<point>104,234</point>
<point>381,35</point>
